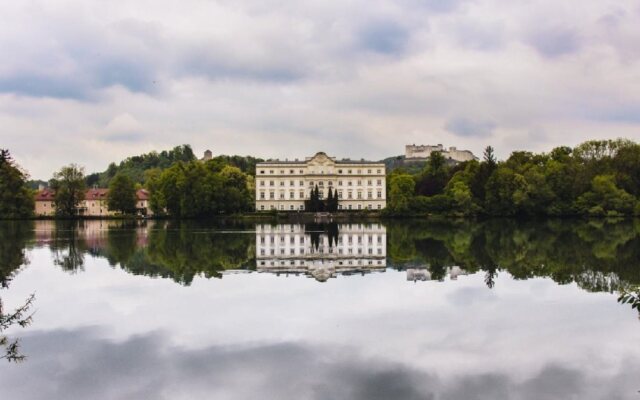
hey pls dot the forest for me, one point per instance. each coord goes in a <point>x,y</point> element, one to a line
<point>599,178</point>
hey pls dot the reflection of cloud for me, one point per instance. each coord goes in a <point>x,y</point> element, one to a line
<point>81,364</point>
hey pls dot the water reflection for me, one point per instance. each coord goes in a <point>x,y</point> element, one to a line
<point>598,256</point>
<point>157,310</point>
<point>321,251</point>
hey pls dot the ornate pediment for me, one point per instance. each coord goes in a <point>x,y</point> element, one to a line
<point>321,159</point>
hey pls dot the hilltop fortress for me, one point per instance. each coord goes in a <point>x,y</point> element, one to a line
<point>424,151</point>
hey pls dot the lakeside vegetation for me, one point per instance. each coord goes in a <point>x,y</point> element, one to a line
<point>595,179</point>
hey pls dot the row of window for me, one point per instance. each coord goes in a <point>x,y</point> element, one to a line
<point>298,227</point>
<point>304,263</point>
<point>340,207</point>
<point>320,250</point>
<point>350,239</point>
<point>369,171</point>
<point>302,195</point>
<point>320,184</point>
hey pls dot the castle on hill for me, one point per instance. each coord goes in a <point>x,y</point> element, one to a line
<point>424,151</point>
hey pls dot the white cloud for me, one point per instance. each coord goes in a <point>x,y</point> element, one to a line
<point>276,79</point>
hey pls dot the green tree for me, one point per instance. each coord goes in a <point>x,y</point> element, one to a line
<point>402,187</point>
<point>605,198</point>
<point>506,192</point>
<point>16,200</point>
<point>122,194</point>
<point>434,177</point>
<point>69,187</point>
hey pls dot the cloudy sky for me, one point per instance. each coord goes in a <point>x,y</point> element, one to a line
<point>94,81</point>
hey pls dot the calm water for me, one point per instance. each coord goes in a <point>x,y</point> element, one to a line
<point>402,310</point>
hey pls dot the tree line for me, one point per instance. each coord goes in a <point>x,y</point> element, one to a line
<point>596,178</point>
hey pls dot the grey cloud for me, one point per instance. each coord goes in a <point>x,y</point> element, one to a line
<point>555,42</point>
<point>39,85</point>
<point>82,364</point>
<point>126,137</point>
<point>480,36</point>
<point>386,37</point>
<point>467,127</point>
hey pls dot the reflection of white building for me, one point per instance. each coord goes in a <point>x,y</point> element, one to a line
<point>288,248</point>
<point>423,274</point>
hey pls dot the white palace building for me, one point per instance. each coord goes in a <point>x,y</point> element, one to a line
<point>285,185</point>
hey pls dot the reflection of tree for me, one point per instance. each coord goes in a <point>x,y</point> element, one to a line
<point>599,256</point>
<point>68,246</point>
<point>14,238</point>
<point>317,230</point>
<point>182,250</point>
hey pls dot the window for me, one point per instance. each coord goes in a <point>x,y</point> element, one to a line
<point>368,171</point>
<point>350,196</point>
<point>261,183</point>
<point>339,171</point>
<point>292,195</point>
<point>359,195</point>
<point>261,195</point>
<point>339,194</point>
<point>301,194</point>
<point>271,172</point>
<point>292,183</point>
<point>301,172</point>
<point>369,182</point>
<point>301,183</point>
<point>291,172</point>
<point>281,183</point>
<point>339,183</point>
<point>281,172</point>
<point>369,195</point>
<point>379,171</point>
<point>262,171</point>
<point>379,194</point>
<point>271,183</point>
<point>349,171</point>
<point>272,195</point>
<point>379,206</point>
<point>349,183</point>
<point>359,171</point>
<point>281,195</point>
<point>261,208</point>
<point>291,208</point>
<point>379,182</point>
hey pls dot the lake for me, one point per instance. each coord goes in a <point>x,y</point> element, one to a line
<point>456,309</point>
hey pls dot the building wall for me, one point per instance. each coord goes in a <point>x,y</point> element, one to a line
<point>87,208</point>
<point>95,208</point>
<point>286,185</point>
<point>44,208</point>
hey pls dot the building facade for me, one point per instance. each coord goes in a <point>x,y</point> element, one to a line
<point>424,151</point>
<point>95,203</point>
<point>285,185</point>
<point>292,249</point>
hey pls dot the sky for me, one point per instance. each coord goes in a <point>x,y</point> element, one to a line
<point>91,82</point>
